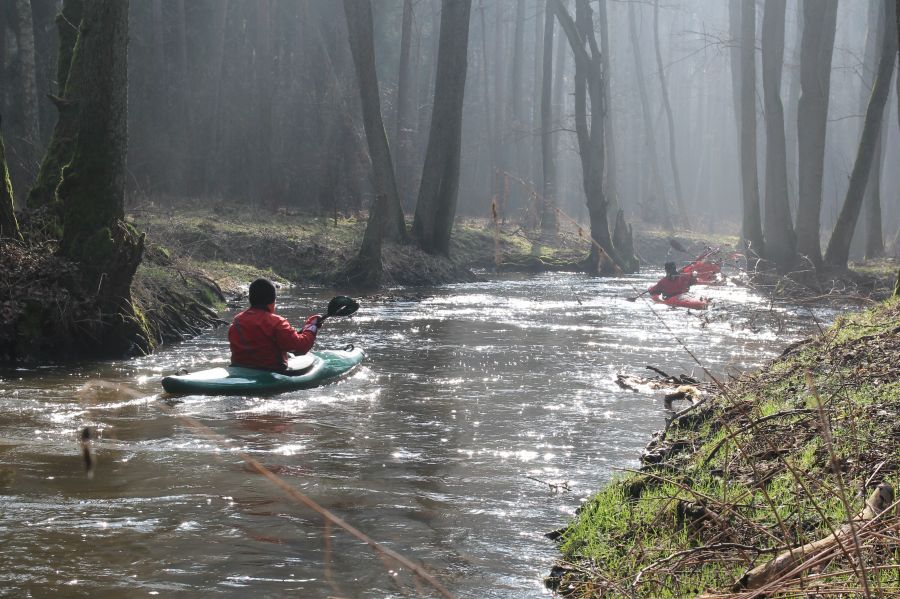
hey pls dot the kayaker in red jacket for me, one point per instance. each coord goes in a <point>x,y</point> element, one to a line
<point>674,283</point>
<point>259,338</point>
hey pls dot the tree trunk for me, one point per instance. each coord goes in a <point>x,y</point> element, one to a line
<point>501,164</point>
<point>404,125</point>
<point>779,228</point>
<point>793,100</point>
<point>28,77</point>
<point>660,202</point>
<point>838,250</point>
<point>436,204</point>
<point>536,140</point>
<point>62,143</point>
<point>673,151</point>
<point>752,227</point>
<point>604,257</point>
<point>209,137</point>
<point>362,46</point>
<point>366,270</point>
<point>92,189</point>
<point>9,227</point>
<point>516,110</point>
<point>493,147</point>
<point>817,47</point>
<point>612,189</point>
<point>549,223</point>
<point>877,29</point>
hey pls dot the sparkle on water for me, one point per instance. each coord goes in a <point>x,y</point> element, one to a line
<point>472,401</point>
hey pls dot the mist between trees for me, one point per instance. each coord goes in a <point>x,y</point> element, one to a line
<point>717,116</point>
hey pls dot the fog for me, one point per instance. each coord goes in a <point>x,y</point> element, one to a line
<point>256,102</point>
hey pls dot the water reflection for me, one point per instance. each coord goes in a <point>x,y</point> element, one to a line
<point>466,397</point>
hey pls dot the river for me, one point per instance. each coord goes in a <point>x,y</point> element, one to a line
<point>467,395</point>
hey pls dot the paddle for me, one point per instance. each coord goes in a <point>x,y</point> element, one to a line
<point>635,298</point>
<point>340,305</point>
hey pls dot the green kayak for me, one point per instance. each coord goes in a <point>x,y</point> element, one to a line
<point>309,370</point>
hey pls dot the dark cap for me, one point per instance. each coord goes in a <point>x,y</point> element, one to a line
<point>671,268</point>
<point>262,293</point>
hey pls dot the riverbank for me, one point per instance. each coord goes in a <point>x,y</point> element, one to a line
<point>753,487</point>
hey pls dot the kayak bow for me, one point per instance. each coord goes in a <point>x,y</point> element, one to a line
<point>682,301</point>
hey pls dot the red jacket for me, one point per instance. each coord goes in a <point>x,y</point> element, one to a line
<point>669,287</point>
<point>260,339</point>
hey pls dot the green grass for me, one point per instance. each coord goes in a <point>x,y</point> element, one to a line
<point>762,464</point>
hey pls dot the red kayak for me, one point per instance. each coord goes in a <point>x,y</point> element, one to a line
<point>682,301</point>
<point>705,273</point>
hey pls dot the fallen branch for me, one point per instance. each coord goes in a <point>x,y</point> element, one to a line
<point>787,562</point>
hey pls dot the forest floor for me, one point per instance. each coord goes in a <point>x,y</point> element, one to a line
<point>779,483</point>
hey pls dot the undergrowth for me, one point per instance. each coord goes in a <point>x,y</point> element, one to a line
<point>768,464</point>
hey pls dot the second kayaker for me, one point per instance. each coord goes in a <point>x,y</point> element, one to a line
<point>259,338</point>
<point>674,283</point>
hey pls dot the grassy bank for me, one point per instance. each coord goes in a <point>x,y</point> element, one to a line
<point>759,468</point>
<point>233,246</point>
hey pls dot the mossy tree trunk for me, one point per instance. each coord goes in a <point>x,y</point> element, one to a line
<point>360,30</point>
<point>436,203</point>
<point>62,143</point>
<point>92,190</point>
<point>9,226</point>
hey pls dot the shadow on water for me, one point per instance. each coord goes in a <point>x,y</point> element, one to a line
<point>428,448</point>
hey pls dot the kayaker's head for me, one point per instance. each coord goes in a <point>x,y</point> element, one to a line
<point>671,269</point>
<point>262,295</point>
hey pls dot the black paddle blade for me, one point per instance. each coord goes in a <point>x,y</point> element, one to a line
<point>676,245</point>
<point>342,306</point>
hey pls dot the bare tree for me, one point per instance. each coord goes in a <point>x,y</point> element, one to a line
<point>535,147</point>
<point>404,125</point>
<point>780,241</point>
<point>516,159</point>
<point>549,222</point>
<point>877,29</point>
<point>752,227</point>
<point>817,47</point>
<point>838,250</point>
<point>612,188</point>
<point>9,226</point>
<point>604,257</point>
<point>362,46</point>
<point>649,129</point>
<point>436,204</point>
<point>670,120</point>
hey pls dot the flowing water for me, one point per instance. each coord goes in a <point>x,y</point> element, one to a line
<point>470,396</point>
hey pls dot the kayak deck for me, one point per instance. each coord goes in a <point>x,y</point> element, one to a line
<point>307,371</point>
